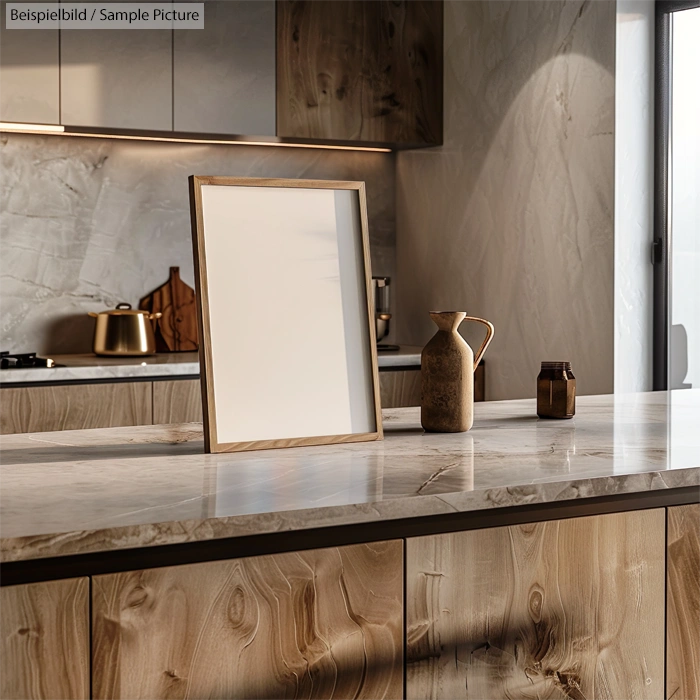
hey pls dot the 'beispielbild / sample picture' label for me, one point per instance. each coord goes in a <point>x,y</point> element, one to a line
<point>94,15</point>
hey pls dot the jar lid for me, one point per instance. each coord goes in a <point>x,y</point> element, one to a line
<point>557,365</point>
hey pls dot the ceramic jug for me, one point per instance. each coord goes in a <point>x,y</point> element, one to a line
<point>447,374</point>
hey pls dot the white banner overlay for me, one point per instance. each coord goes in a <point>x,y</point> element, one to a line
<point>113,15</point>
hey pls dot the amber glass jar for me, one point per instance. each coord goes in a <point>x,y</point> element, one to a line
<point>556,391</point>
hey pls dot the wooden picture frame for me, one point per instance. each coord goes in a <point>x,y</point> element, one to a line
<point>313,236</point>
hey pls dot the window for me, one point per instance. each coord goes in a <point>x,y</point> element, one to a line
<point>677,215</point>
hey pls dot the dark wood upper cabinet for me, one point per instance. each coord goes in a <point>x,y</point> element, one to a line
<point>353,70</point>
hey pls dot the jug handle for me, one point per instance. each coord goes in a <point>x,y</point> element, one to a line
<point>487,339</point>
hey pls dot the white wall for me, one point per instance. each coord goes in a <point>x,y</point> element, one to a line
<point>634,194</point>
<point>512,219</point>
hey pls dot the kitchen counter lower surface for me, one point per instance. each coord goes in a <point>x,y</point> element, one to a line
<point>89,367</point>
<point>173,365</point>
<point>78,492</point>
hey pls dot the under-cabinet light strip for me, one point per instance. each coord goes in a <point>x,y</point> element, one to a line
<point>31,128</point>
<point>54,130</point>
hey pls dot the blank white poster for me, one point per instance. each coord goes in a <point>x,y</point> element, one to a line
<point>288,313</point>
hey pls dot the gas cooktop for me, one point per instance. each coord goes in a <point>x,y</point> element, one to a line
<point>24,360</point>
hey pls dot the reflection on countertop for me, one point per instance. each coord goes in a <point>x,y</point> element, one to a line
<point>89,367</point>
<point>100,490</point>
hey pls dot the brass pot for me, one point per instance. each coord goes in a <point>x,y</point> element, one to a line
<point>124,331</point>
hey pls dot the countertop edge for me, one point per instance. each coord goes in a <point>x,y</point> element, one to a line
<point>41,546</point>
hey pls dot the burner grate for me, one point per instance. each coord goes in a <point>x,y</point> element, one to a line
<point>23,360</point>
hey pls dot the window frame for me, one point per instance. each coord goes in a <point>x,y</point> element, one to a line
<point>662,124</point>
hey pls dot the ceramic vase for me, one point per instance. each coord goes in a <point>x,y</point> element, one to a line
<point>447,374</point>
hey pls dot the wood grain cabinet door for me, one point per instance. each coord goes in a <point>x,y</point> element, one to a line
<point>45,648</point>
<point>683,604</point>
<point>177,401</point>
<point>360,71</point>
<point>318,624</point>
<point>37,409</point>
<point>399,388</point>
<point>562,609</point>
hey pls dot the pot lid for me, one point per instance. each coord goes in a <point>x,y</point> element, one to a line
<point>122,309</point>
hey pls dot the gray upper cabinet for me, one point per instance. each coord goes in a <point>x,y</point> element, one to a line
<point>224,74</point>
<point>119,79</point>
<point>28,75</point>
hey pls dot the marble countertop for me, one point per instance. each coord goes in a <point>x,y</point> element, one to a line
<point>101,490</point>
<point>89,367</point>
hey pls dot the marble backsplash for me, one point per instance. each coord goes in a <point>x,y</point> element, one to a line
<point>87,223</point>
<point>513,218</point>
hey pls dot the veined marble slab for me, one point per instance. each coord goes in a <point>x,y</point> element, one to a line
<point>89,367</point>
<point>100,490</point>
<point>107,218</point>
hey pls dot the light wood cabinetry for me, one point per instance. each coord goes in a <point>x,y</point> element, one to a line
<point>399,388</point>
<point>74,407</point>
<point>317,624</point>
<point>224,74</point>
<point>566,609</point>
<point>360,71</point>
<point>561,609</point>
<point>177,401</point>
<point>683,604</point>
<point>45,640</point>
<point>180,401</point>
<point>29,83</point>
<point>116,78</point>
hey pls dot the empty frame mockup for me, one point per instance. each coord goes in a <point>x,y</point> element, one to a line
<point>287,343</point>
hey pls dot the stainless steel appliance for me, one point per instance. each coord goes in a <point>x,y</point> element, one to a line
<point>382,315</point>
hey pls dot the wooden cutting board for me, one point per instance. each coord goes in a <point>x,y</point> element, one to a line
<point>176,330</point>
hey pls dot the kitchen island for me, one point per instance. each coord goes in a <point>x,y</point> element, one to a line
<point>523,556</point>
